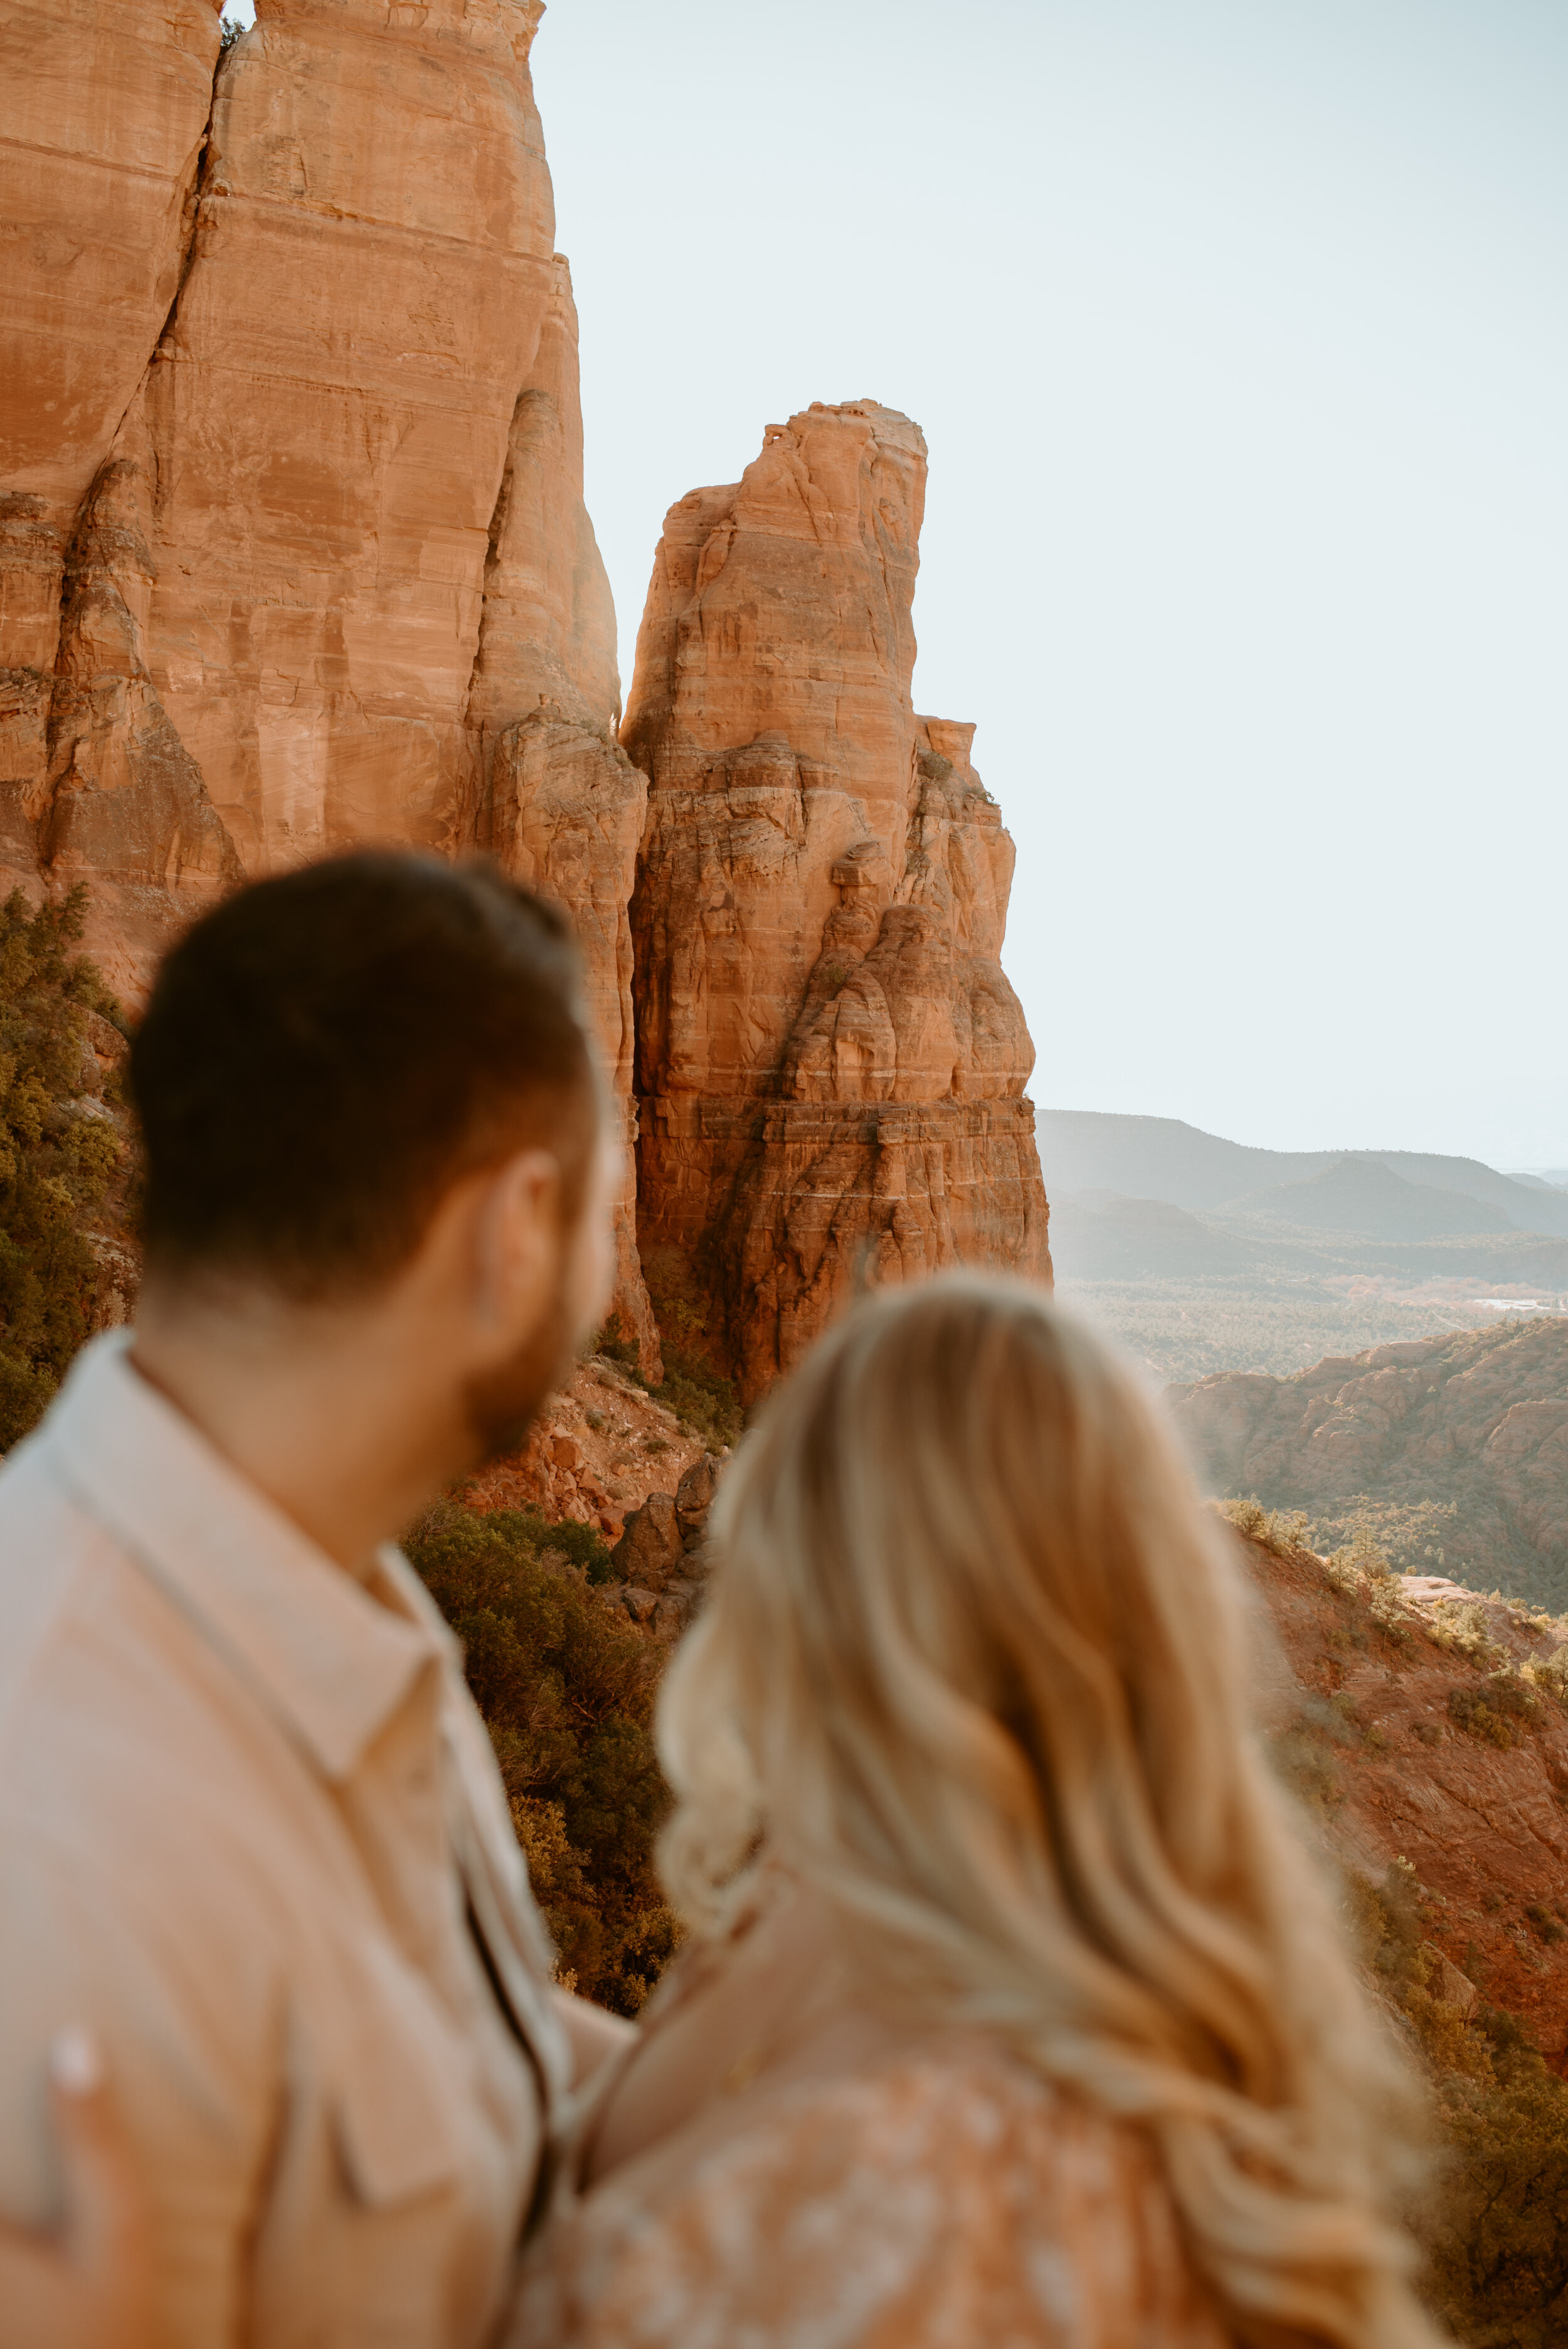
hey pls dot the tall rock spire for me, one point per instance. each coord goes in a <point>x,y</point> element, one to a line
<point>831,1060</point>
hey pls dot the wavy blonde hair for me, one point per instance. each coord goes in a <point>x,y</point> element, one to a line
<point>977,1664</point>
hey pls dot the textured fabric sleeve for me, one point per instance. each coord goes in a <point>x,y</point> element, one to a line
<point>930,2206</point>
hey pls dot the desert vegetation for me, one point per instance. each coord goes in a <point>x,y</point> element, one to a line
<point>565,1683</point>
<point>1496,2228</point>
<point>704,1402</point>
<point>62,1152</point>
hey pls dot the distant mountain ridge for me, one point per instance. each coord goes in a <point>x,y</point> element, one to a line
<point>1365,1196</point>
<point>1164,1159</point>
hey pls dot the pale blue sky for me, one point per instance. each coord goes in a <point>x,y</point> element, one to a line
<point>1236,328</point>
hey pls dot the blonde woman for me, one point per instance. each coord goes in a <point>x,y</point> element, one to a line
<point>1014,2010</point>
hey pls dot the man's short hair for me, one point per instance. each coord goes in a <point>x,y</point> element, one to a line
<point>328,1051</point>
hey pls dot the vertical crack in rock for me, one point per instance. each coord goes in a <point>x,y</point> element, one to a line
<point>831,1060</point>
<point>105,120</point>
<point>553,796</point>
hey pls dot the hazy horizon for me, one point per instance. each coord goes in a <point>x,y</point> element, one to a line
<point>1332,1148</point>
<point>1245,546</point>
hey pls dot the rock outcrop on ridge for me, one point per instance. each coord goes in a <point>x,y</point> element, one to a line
<point>1452,1445</point>
<point>831,1062</point>
<point>295,386</point>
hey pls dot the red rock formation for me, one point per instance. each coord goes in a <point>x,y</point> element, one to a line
<point>1387,1675</point>
<point>105,106</point>
<point>548,635</point>
<point>369,281</point>
<point>1473,1426</point>
<point>602,1448</point>
<point>831,1060</point>
<point>556,800</point>
<point>270,634</point>
<point>327,573</point>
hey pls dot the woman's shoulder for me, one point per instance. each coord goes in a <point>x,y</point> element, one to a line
<point>946,2194</point>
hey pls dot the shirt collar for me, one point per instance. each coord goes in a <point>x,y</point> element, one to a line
<point>324,1652</point>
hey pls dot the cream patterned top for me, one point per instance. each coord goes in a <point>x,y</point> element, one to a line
<point>939,2199</point>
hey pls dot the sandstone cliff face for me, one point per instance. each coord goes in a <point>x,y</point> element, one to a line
<point>831,1062</point>
<point>1468,1434</point>
<point>299,558</point>
<point>298,554</point>
<point>304,464</point>
<point>105,107</point>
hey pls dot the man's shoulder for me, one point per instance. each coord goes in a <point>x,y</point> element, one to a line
<point>50,1549</point>
<point>112,1705</point>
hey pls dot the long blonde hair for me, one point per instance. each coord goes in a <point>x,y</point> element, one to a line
<point>977,1664</point>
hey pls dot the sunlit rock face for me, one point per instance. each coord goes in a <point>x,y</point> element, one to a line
<point>101,129</point>
<point>830,1061</point>
<point>329,413</point>
<point>294,555</point>
<point>292,386</point>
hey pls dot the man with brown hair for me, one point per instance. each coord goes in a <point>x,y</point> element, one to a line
<point>251,1830</point>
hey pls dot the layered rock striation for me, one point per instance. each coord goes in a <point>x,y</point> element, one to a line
<point>831,1060</point>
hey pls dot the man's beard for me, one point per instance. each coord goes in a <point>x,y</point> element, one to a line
<point>503,1404</point>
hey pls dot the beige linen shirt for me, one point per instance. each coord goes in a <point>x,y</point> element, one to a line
<point>250,1828</point>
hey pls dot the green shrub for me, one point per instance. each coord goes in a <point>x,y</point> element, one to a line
<point>1549,1674</point>
<point>1500,1712</point>
<point>1495,2224</point>
<point>1413,1538</point>
<point>580,1546</point>
<point>57,1161</point>
<point>1465,1627</point>
<point>566,1688</point>
<point>1498,2236</point>
<point>1276,1530</point>
<point>704,1402</point>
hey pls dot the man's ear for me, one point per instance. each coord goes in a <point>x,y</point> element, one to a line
<point>517,1235</point>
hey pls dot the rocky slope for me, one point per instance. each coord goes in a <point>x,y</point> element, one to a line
<point>1457,1445</point>
<point>1423,1723</point>
<point>831,1062</point>
<point>601,1449</point>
